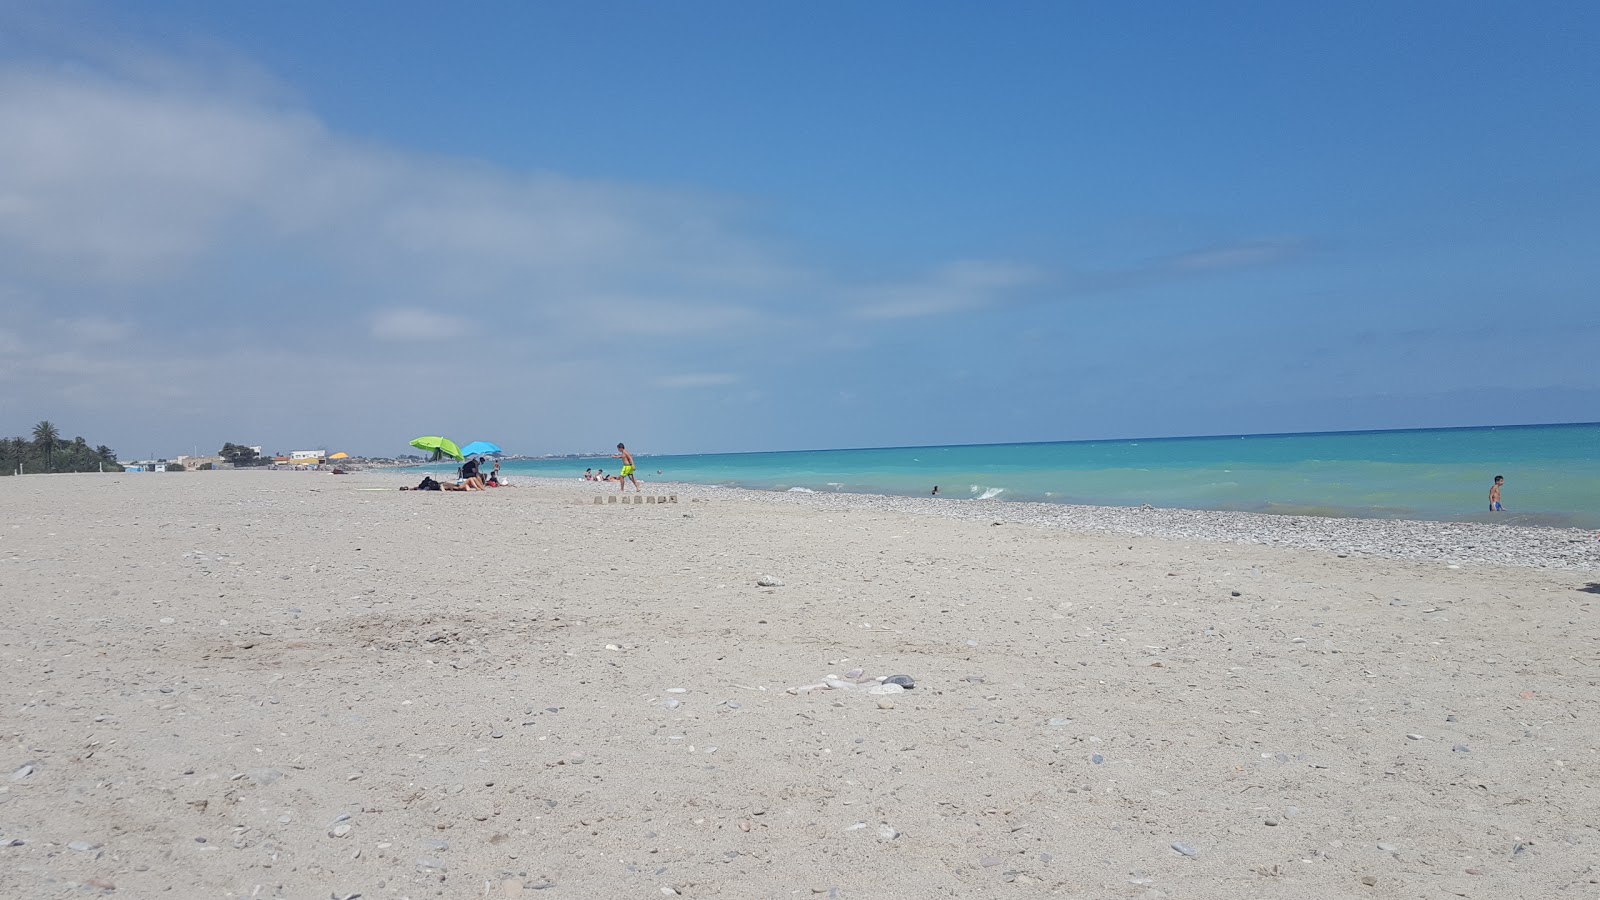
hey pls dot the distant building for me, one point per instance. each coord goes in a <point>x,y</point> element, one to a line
<point>308,454</point>
<point>197,462</point>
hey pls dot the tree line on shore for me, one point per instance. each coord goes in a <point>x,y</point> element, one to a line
<point>48,451</point>
<point>241,456</point>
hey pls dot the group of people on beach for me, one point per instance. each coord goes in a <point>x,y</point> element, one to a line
<point>472,477</point>
<point>469,477</point>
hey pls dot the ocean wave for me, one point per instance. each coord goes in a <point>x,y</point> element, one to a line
<point>801,490</point>
<point>991,493</point>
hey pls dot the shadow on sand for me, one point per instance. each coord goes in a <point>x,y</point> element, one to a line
<point>1592,587</point>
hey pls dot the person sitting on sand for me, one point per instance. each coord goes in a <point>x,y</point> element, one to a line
<point>588,474</point>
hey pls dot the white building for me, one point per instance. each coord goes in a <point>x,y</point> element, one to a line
<point>308,454</point>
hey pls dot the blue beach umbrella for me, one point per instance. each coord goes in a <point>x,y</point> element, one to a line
<point>480,448</point>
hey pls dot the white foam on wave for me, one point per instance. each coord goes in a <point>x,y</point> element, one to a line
<point>991,493</point>
<point>801,490</point>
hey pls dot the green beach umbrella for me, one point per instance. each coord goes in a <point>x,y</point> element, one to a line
<point>440,447</point>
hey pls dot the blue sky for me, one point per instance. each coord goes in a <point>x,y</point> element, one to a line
<point>736,226</point>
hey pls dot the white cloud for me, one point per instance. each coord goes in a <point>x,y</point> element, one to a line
<point>126,182</point>
<point>93,329</point>
<point>104,181</point>
<point>418,325</point>
<point>957,287</point>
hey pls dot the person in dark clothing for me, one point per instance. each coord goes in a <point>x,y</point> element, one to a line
<point>469,475</point>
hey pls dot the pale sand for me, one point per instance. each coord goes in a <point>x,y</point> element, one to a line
<point>436,667</point>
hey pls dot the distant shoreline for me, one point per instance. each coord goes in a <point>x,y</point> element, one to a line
<point>1462,543</point>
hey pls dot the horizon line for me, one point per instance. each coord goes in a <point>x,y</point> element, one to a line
<point>1180,437</point>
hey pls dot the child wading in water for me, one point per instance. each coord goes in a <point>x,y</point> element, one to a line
<point>1494,494</point>
<point>627,469</point>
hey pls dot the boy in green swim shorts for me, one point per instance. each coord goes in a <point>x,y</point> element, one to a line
<point>627,469</point>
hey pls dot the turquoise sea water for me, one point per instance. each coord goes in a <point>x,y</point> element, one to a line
<point>1552,472</point>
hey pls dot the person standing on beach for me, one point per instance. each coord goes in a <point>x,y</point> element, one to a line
<point>627,469</point>
<point>1494,494</point>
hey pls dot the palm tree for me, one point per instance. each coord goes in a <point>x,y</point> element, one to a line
<point>16,452</point>
<point>106,454</point>
<point>45,435</point>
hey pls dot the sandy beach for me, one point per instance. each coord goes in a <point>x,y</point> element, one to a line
<point>270,684</point>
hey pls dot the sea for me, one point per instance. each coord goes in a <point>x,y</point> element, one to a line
<point>1552,472</point>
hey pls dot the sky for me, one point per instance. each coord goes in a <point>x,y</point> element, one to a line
<point>727,226</point>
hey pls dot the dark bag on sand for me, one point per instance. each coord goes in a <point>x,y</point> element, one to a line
<point>428,484</point>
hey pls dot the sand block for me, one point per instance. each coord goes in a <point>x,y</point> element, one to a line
<point>599,501</point>
<point>672,498</point>
<point>611,498</point>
